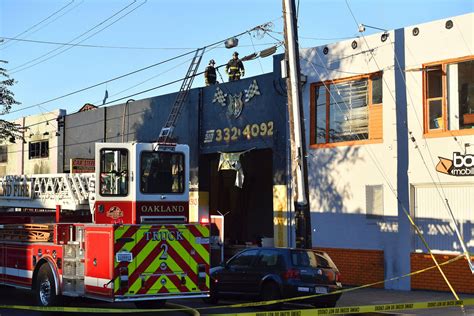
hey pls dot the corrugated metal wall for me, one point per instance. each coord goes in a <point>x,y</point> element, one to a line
<point>432,216</point>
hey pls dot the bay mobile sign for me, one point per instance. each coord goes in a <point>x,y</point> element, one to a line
<point>460,165</point>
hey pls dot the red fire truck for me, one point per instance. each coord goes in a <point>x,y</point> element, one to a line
<point>121,233</point>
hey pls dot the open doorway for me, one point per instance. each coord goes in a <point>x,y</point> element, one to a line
<point>250,208</point>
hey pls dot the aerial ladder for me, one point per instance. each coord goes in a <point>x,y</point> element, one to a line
<point>167,130</point>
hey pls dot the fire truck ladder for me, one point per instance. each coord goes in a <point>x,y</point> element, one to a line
<point>46,191</point>
<point>168,128</point>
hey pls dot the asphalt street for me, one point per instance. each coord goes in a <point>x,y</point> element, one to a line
<point>11,296</point>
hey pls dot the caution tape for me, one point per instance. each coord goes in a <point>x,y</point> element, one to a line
<point>300,298</point>
<point>323,311</point>
<point>297,312</point>
<point>360,309</point>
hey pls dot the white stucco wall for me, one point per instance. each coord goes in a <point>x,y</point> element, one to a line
<point>36,126</point>
<point>435,43</point>
<point>338,175</point>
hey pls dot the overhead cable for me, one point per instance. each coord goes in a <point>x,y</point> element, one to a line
<point>29,64</point>
<point>128,74</point>
<point>3,45</point>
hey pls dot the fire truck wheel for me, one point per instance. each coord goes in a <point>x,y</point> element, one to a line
<point>152,304</point>
<point>45,287</point>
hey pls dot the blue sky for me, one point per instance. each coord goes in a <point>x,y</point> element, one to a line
<point>142,33</point>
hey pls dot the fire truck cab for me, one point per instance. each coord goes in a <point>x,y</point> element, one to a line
<point>141,183</point>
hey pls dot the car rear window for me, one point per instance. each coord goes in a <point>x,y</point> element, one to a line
<point>302,258</point>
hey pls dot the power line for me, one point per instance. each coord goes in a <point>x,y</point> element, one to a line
<point>44,25</point>
<point>157,75</point>
<point>112,47</point>
<point>24,65</point>
<point>94,46</point>
<point>130,73</point>
<point>40,22</point>
<point>47,121</point>
<point>101,83</point>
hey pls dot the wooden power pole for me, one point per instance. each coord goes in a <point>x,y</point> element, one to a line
<point>297,134</point>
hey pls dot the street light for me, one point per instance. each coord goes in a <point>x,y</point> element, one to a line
<point>383,37</point>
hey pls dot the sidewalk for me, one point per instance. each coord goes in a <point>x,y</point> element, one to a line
<point>371,296</point>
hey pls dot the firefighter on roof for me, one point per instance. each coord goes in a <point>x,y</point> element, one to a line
<point>235,68</point>
<point>210,73</point>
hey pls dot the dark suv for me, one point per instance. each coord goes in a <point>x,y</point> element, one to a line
<point>275,273</point>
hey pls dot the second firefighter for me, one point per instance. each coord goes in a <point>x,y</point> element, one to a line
<point>235,68</point>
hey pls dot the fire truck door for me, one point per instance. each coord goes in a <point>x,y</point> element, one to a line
<point>99,259</point>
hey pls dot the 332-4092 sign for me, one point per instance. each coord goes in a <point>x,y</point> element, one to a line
<point>233,133</point>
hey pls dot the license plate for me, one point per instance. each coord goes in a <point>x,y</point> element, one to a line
<point>303,289</point>
<point>320,290</point>
<point>124,257</point>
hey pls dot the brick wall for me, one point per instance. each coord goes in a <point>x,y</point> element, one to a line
<point>458,274</point>
<point>357,266</point>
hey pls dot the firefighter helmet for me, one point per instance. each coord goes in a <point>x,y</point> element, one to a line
<point>235,54</point>
<point>211,62</point>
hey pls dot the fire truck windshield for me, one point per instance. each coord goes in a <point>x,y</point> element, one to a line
<point>114,172</point>
<point>162,172</point>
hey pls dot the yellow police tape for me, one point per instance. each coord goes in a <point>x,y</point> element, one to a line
<point>299,298</point>
<point>360,309</point>
<point>323,311</point>
<point>296,312</point>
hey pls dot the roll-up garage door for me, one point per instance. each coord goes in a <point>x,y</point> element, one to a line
<point>432,216</point>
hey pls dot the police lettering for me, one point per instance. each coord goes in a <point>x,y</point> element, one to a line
<point>162,209</point>
<point>164,235</point>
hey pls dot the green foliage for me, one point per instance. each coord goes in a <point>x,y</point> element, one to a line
<point>8,130</point>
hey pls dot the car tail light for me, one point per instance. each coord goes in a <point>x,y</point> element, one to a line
<point>204,220</point>
<point>291,274</point>
<point>123,274</point>
<point>338,277</point>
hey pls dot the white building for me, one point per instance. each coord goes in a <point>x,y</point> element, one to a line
<point>382,110</point>
<point>41,150</point>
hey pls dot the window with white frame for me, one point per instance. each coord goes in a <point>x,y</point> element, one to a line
<point>374,200</point>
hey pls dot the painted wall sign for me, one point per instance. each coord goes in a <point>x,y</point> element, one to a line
<point>252,121</point>
<point>234,103</point>
<point>233,133</point>
<point>460,165</point>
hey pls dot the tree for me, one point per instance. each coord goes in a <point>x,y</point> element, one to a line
<point>8,130</point>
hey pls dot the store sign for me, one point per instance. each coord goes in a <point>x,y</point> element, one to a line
<point>82,165</point>
<point>460,165</point>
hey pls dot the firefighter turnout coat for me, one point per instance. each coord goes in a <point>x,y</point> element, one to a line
<point>235,69</point>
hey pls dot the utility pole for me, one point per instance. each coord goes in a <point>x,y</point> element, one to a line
<point>297,134</point>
